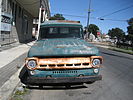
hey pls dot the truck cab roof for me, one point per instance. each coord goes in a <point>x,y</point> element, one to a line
<point>61,23</point>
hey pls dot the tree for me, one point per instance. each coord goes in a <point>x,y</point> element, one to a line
<point>130,27</point>
<point>116,32</point>
<point>130,21</point>
<point>93,29</point>
<point>57,17</point>
<point>130,31</point>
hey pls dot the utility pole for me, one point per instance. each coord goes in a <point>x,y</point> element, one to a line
<point>89,11</point>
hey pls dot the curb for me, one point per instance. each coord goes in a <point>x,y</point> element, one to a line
<point>115,49</point>
<point>102,46</point>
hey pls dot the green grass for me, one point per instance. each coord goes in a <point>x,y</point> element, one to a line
<point>18,95</point>
<point>20,92</point>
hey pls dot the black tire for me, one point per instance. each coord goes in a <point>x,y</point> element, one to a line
<point>68,86</point>
<point>23,75</point>
<point>41,86</point>
<point>91,82</point>
<point>28,86</point>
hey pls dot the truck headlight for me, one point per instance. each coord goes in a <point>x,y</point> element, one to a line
<point>96,62</point>
<point>31,63</point>
<point>96,70</point>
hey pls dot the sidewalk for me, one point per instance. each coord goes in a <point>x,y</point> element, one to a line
<point>9,61</point>
<point>9,55</point>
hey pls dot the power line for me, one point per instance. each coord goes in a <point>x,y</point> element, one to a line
<point>121,20</point>
<point>93,17</point>
<point>71,15</point>
<point>76,16</point>
<point>117,11</point>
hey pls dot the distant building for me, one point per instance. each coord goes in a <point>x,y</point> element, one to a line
<point>17,19</point>
<point>106,38</point>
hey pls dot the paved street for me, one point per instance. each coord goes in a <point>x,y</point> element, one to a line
<point>117,83</point>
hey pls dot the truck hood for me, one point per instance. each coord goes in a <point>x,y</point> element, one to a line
<point>62,47</point>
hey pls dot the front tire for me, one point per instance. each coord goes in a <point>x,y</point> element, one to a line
<point>23,75</point>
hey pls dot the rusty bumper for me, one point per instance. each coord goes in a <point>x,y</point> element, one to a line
<point>62,81</point>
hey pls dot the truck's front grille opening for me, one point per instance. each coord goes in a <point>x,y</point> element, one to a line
<point>61,65</point>
<point>77,64</point>
<point>69,64</point>
<point>85,64</point>
<point>51,65</point>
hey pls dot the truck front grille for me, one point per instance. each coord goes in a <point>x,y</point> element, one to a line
<point>65,65</point>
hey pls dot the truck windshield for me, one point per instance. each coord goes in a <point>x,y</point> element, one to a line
<point>60,32</point>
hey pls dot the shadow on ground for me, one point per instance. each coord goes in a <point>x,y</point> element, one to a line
<point>56,87</point>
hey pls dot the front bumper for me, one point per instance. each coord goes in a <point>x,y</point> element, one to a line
<point>64,80</point>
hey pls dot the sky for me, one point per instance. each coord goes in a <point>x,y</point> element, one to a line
<point>99,8</point>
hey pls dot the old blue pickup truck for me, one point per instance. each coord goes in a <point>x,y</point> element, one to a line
<point>61,56</point>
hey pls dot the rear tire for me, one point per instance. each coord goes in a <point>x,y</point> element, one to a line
<point>68,86</point>
<point>28,86</point>
<point>40,86</point>
<point>91,82</point>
